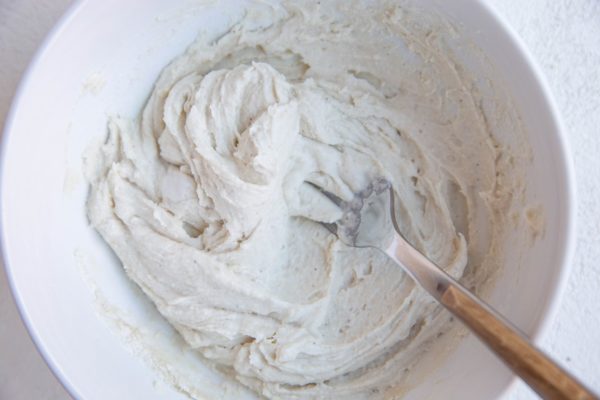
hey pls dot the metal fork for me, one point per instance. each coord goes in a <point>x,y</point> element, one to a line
<point>372,212</point>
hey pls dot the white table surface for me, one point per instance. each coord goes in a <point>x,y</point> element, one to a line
<point>563,36</point>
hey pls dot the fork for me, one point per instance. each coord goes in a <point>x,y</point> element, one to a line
<point>371,213</point>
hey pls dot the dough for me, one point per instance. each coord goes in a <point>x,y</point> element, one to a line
<point>204,199</point>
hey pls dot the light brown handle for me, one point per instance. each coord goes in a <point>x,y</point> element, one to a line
<point>543,375</point>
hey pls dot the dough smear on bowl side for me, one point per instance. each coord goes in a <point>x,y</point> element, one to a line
<point>204,200</point>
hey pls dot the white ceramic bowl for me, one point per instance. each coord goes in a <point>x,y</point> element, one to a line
<point>101,59</point>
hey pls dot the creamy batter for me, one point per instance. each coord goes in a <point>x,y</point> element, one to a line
<point>204,197</point>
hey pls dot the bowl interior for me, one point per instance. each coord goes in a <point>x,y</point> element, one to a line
<point>70,287</point>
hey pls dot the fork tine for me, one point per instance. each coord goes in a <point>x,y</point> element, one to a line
<point>335,199</point>
<point>331,227</point>
<point>395,223</point>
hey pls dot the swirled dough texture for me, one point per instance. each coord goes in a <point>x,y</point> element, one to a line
<point>204,199</point>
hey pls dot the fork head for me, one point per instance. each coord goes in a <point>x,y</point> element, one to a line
<point>367,219</point>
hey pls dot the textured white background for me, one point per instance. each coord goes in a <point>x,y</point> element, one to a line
<point>562,35</point>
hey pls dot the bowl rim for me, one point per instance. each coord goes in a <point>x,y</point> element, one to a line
<point>563,157</point>
<point>51,37</point>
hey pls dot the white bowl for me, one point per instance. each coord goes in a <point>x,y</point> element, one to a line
<point>102,58</point>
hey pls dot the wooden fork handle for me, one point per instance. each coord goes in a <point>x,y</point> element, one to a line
<point>541,373</point>
<point>535,368</point>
